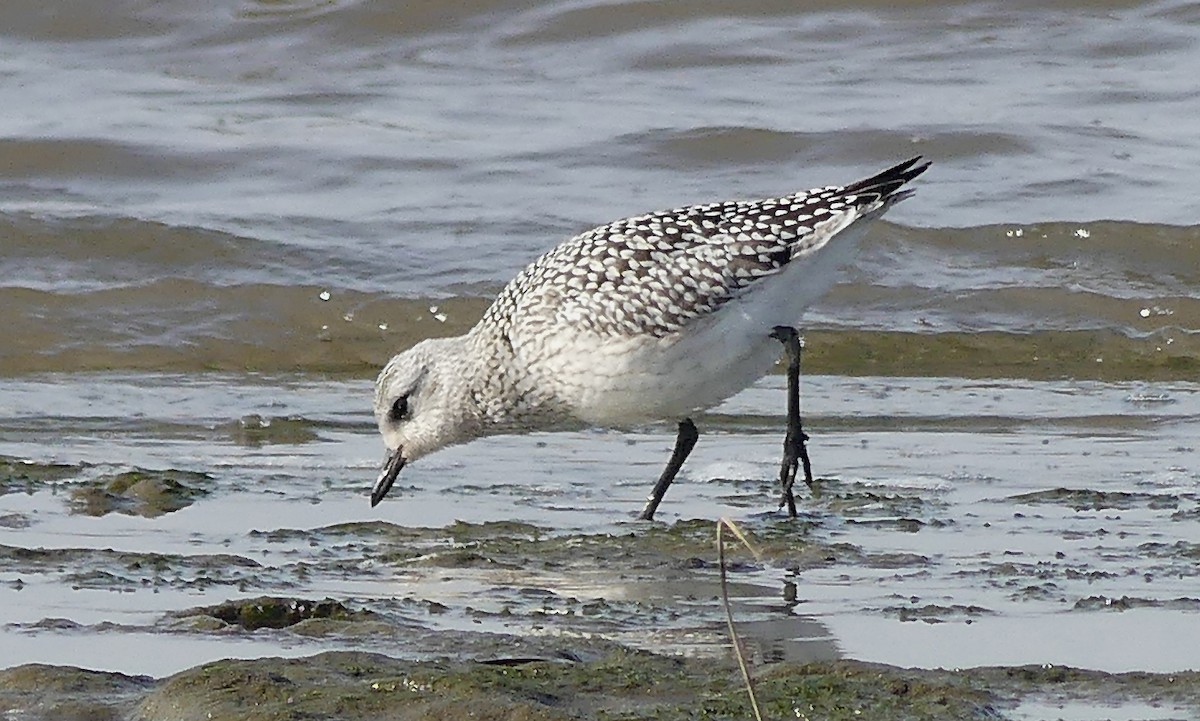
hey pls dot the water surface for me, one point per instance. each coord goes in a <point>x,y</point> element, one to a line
<point>216,224</point>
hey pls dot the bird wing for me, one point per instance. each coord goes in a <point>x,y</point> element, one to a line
<point>655,273</point>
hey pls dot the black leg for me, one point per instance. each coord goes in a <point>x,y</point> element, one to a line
<point>684,442</point>
<point>795,452</point>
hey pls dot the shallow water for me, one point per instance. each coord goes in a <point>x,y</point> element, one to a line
<point>944,534</point>
<point>215,225</point>
<point>1085,711</point>
<point>214,173</point>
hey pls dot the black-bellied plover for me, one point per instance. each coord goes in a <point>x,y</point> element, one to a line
<point>654,317</point>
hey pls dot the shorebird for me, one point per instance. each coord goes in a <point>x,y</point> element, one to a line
<point>650,318</point>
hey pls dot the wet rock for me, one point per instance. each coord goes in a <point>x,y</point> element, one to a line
<point>117,570</point>
<point>17,475</point>
<point>353,529</point>
<point>896,560</point>
<point>1083,499</point>
<point>139,493</point>
<point>56,624</point>
<point>357,627</point>
<point>1189,514</point>
<point>549,685</point>
<point>255,430</point>
<point>15,520</point>
<point>274,612</point>
<point>462,532</point>
<point>1178,551</point>
<point>825,690</point>
<point>199,623</point>
<point>904,525</point>
<point>342,685</point>
<point>1125,603</point>
<point>933,613</point>
<point>37,691</point>
<point>1038,592</point>
<point>619,684</point>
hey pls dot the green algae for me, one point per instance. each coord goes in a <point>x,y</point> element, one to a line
<point>853,690</point>
<point>256,431</point>
<point>572,675</point>
<point>276,612</point>
<point>63,693</point>
<point>343,685</point>
<point>1083,499</point>
<point>380,530</point>
<point>21,476</point>
<point>617,585</point>
<point>140,492</point>
<point>610,684</point>
<point>464,532</point>
<point>116,570</point>
<point>620,684</point>
<point>685,544</point>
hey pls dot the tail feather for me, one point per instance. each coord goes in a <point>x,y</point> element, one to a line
<point>883,186</point>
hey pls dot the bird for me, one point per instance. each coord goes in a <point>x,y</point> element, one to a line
<point>651,318</point>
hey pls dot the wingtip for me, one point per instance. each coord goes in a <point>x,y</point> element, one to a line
<point>910,168</point>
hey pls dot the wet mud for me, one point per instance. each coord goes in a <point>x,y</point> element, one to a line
<point>97,491</point>
<point>561,633</point>
<point>139,492</point>
<point>217,553</point>
<point>582,680</point>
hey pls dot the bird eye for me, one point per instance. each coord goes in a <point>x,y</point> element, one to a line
<point>399,409</point>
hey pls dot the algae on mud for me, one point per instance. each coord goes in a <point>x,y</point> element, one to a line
<point>62,693</point>
<point>140,492</point>
<point>608,683</point>
<point>94,492</point>
<point>929,548</point>
<point>107,569</point>
<point>18,475</point>
<point>274,612</point>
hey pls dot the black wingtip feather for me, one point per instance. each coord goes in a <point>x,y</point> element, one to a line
<point>886,183</point>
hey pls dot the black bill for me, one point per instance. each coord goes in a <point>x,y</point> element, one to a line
<point>391,468</point>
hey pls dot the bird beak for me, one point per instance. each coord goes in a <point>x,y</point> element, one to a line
<point>391,468</point>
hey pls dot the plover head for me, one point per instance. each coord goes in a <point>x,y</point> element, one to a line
<point>421,405</point>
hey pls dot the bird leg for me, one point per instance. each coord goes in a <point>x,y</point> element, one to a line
<point>684,442</point>
<point>794,450</point>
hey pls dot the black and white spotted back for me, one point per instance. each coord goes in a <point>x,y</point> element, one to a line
<point>654,273</point>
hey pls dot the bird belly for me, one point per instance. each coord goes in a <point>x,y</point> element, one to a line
<point>619,381</point>
<point>670,384</point>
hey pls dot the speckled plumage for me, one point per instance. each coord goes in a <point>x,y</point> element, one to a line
<point>653,273</point>
<point>650,317</point>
